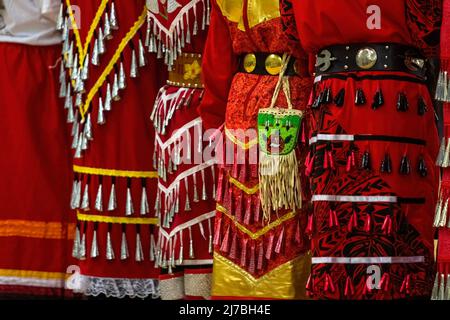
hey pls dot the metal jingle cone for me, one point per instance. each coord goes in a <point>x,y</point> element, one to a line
<point>421,107</point>
<point>405,166</point>
<point>85,69</point>
<point>360,98</point>
<point>75,70</point>
<point>134,73</point>
<point>65,50</point>
<point>70,113</point>
<point>191,245</point>
<point>139,254</point>
<point>402,103</point>
<point>115,89</point>
<point>188,34</point>
<point>129,209</point>
<point>152,247</point>
<point>386,164</point>
<point>88,128</point>
<point>107,28</point>
<point>187,204</point>
<point>204,194</point>
<point>85,201</point>
<point>112,203</point>
<point>69,60</point>
<point>82,255</point>
<point>65,29</point>
<point>78,149</point>
<point>108,98</point>
<point>109,247</point>
<point>113,17</point>
<point>423,170</point>
<point>76,195</point>
<point>101,42</point>
<point>378,100</point>
<point>95,56</point>
<point>60,20</point>
<point>94,245</point>
<point>124,254</point>
<point>144,202</point>
<point>101,110</point>
<point>142,58</point>
<point>68,102</point>
<point>148,33</point>
<point>365,162</point>
<point>75,134</point>
<point>62,73</point>
<point>79,86</point>
<point>79,99</point>
<point>76,244</point>
<point>122,77</point>
<point>84,142</point>
<point>99,198</point>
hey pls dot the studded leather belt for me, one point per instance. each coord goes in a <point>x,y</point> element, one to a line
<point>270,64</point>
<point>186,71</point>
<point>370,57</point>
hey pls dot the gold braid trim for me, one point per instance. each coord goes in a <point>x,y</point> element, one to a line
<point>261,232</point>
<point>116,220</point>
<point>115,173</point>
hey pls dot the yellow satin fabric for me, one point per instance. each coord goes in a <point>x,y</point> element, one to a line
<point>258,11</point>
<point>287,282</point>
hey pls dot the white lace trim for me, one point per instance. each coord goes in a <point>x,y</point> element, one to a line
<point>118,287</point>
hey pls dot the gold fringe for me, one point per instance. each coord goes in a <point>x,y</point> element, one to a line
<point>279,183</point>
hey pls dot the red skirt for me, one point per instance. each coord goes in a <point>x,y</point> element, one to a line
<point>186,192</point>
<point>35,191</point>
<point>372,169</point>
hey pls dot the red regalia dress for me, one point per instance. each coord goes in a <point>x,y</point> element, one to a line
<point>373,147</point>
<point>441,289</point>
<point>186,181</point>
<point>253,257</point>
<point>35,223</point>
<point>111,81</point>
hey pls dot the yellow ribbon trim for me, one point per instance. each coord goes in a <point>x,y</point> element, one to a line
<point>116,220</point>
<point>243,187</point>
<point>83,49</point>
<point>241,144</point>
<point>33,274</point>
<point>263,231</point>
<point>115,173</point>
<point>134,29</point>
<point>36,229</point>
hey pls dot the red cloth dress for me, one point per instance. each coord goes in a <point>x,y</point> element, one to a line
<point>186,180</point>
<point>115,185</point>
<point>36,229</point>
<point>371,226</point>
<point>252,257</point>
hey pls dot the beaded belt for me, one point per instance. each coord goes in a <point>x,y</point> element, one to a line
<point>370,57</point>
<point>269,64</point>
<point>186,71</point>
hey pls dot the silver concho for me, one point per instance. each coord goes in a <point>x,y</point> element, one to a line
<point>414,64</point>
<point>324,59</point>
<point>366,58</point>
